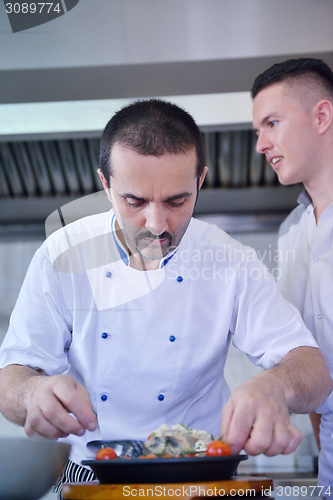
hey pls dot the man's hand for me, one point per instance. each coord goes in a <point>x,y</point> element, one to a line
<point>43,404</point>
<point>50,405</point>
<point>256,418</point>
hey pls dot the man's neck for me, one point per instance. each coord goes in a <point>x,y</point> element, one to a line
<point>141,264</point>
<point>319,179</point>
<point>321,196</point>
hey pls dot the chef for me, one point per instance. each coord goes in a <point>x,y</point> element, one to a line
<point>124,319</point>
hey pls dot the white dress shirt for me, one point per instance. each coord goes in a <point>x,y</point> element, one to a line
<point>150,347</point>
<point>306,273</point>
<point>306,280</point>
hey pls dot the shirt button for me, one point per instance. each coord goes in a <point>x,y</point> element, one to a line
<point>316,259</point>
<point>172,338</point>
<point>108,274</point>
<point>104,397</point>
<point>104,335</point>
<point>160,397</point>
<point>180,279</point>
<point>319,316</point>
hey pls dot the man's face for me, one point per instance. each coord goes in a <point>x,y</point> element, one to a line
<point>153,198</point>
<point>286,133</point>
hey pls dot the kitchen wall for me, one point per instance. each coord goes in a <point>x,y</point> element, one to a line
<point>128,32</point>
<point>96,41</point>
<point>15,256</point>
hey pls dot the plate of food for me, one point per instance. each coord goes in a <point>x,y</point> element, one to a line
<point>176,455</point>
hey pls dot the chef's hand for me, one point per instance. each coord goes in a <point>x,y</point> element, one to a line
<point>51,402</point>
<point>256,419</point>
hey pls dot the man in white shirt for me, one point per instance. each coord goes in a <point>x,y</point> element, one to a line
<point>125,317</point>
<point>292,114</point>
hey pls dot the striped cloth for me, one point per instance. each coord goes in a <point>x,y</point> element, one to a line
<point>73,473</point>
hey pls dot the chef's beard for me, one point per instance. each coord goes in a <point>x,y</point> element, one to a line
<point>153,252</point>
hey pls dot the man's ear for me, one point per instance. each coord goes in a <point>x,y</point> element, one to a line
<point>202,176</point>
<point>106,187</point>
<point>102,177</point>
<point>324,115</point>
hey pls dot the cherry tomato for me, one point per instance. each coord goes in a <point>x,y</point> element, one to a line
<point>106,454</point>
<point>217,449</point>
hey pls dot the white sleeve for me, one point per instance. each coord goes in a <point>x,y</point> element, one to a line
<point>265,325</point>
<point>39,332</point>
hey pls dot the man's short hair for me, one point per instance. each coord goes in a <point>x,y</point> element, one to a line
<point>152,127</point>
<point>315,72</point>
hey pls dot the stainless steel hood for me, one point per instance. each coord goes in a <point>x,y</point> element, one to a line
<point>40,176</point>
<point>49,157</point>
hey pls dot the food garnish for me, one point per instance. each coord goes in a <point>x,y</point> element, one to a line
<point>218,449</point>
<point>179,441</point>
<point>106,454</point>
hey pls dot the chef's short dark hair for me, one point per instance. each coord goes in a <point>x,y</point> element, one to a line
<point>152,127</point>
<point>314,71</point>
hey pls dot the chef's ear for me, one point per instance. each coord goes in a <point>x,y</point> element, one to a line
<point>202,176</point>
<point>106,187</point>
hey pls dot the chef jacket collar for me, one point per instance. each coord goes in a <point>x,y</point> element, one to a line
<point>123,251</point>
<point>304,199</point>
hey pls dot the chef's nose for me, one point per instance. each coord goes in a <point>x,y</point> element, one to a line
<point>156,219</point>
<point>263,142</point>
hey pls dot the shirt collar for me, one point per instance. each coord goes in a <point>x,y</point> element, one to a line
<point>123,252</point>
<point>120,247</point>
<point>304,199</point>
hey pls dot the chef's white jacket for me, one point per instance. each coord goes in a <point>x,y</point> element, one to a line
<point>150,347</point>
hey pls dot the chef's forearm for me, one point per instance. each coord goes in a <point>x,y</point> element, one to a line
<point>17,385</point>
<point>305,377</point>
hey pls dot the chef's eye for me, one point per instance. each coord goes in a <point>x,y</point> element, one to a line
<point>131,202</point>
<point>176,203</point>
